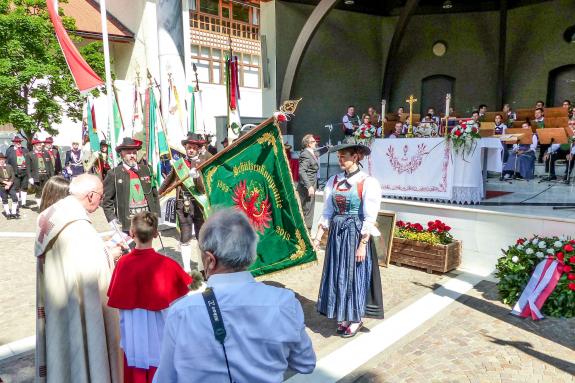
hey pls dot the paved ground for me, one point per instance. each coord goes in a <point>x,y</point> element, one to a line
<point>473,340</point>
<point>477,340</point>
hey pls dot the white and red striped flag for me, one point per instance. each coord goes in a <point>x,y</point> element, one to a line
<point>542,283</point>
<point>84,76</point>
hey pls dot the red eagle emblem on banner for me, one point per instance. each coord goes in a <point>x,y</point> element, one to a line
<point>250,202</point>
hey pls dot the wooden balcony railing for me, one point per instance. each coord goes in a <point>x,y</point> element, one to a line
<point>223,26</point>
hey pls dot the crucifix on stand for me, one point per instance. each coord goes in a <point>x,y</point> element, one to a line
<point>411,100</point>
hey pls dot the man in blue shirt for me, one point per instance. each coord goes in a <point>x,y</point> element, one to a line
<point>264,325</point>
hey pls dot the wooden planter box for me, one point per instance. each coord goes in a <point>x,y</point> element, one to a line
<point>441,258</point>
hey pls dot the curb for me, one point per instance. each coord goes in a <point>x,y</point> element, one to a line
<point>17,347</point>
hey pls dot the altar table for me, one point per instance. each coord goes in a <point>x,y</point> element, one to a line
<point>429,168</point>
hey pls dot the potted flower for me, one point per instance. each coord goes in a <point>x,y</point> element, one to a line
<point>463,136</point>
<point>432,248</point>
<point>543,260</point>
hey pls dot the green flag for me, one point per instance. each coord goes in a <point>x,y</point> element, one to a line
<point>192,107</point>
<point>92,134</point>
<point>118,126</point>
<point>154,139</point>
<point>253,176</point>
<point>182,171</point>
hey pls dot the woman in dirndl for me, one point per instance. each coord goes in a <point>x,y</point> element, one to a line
<point>350,288</point>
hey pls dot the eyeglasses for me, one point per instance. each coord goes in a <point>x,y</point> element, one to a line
<point>100,194</point>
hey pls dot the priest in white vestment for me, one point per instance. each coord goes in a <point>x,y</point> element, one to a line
<point>77,335</point>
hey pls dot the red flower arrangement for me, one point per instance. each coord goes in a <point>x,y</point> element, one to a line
<point>437,232</point>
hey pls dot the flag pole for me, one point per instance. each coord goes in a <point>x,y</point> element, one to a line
<point>109,91</point>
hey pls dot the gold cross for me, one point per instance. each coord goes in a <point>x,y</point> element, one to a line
<point>411,101</point>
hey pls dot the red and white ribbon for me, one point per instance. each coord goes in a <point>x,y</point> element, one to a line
<point>540,286</point>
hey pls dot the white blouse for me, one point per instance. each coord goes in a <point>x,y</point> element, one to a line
<point>371,201</point>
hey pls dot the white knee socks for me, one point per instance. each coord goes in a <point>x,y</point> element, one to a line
<point>7,209</point>
<point>186,250</point>
<point>14,207</point>
<point>23,198</point>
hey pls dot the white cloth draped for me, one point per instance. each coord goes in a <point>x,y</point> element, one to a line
<point>141,336</point>
<point>427,168</point>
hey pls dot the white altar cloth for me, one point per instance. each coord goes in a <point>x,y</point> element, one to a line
<point>427,168</point>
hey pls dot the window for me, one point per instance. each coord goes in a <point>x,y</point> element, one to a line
<point>241,13</point>
<point>255,16</point>
<point>210,6</point>
<point>192,5</point>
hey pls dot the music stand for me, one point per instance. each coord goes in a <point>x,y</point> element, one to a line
<point>551,136</point>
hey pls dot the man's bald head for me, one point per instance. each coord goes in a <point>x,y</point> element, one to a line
<point>89,190</point>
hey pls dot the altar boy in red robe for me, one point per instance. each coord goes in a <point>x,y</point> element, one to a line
<point>143,286</point>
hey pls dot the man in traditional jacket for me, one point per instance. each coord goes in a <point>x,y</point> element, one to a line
<point>54,154</point>
<point>74,160</point>
<point>77,334</point>
<point>7,189</point>
<point>129,188</point>
<point>188,210</point>
<point>16,157</point>
<point>39,167</point>
<point>100,161</point>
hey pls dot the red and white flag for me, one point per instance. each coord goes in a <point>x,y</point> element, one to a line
<point>84,76</point>
<point>540,286</point>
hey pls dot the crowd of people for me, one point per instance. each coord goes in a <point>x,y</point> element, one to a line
<point>518,159</point>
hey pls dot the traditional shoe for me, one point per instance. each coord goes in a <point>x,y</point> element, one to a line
<point>16,216</point>
<point>9,216</point>
<point>341,327</point>
<point>349,333</point>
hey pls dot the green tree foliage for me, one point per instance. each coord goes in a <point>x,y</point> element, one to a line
<point>36,87</point>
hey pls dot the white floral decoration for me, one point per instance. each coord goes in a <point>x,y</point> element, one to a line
<point>529,251</point>
<point>558,244</point>
<point>539,254</point>
<point>515,259</point>
<point>542,245</point>
<point>550,251</point>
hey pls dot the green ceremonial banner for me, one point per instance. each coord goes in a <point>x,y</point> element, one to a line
<point>253,175</point>
<point>182,171</point>
<point>92,134</point>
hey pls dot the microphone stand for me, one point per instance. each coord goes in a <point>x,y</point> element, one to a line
<point>330,127</point>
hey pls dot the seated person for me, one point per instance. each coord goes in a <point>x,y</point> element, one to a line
<point>539,105</point>
<point>434,117</point>
<point>368,125</point>
<point>482,110</point>
<point>510,115</point>
<point>350,121</point>
<point>500,127</point>
<point>475,116</point>
<point>374,117</point>
<point>521,160</point>
<point>567,105</point>
<point>398,131</point>
<point>558,152</point>
<point>428,118</point>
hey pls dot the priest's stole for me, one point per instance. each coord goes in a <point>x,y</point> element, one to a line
<point>253,176</point>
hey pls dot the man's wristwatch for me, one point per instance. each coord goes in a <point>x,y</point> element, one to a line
<point>364,241</point>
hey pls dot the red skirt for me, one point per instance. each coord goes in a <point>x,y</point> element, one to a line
<point>138,375</point>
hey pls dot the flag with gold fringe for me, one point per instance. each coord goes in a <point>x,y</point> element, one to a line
<point>253,176</point>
